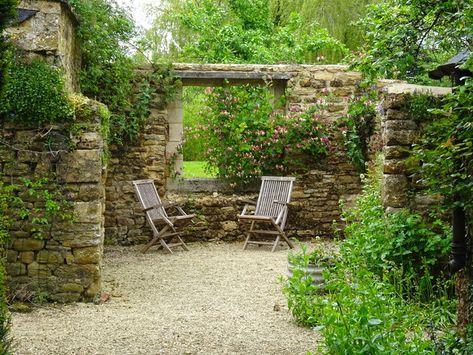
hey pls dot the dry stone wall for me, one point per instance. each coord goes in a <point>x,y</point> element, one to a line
<point>399,132</point>
<point>318,191</point>
<point>65,263</point>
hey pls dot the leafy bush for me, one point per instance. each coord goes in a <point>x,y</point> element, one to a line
<point>402,240</point>
<point>362,315</point>
<point>5,222</point>
<point>245,139</point>
<point>35,94</point>
<point>357,128</point>
<point>7,14</point>
<point>385,290</point>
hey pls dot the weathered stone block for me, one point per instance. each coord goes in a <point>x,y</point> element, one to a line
<point>395,152</point>
<point>89,140</point>
<point>27,244</point>
<point>12,256</point>
<point>81,166</point>
<point>38,270</point>
<point>50,257</point>
<point>16,269</point>
<point>65,297</point>
<point>88,255</point>
<point>88,212</point>
<point>395,190</point>
<point>397,115</point>
<point>229,226</point>
<point>72,287</point>
<point>394,166</point>
<point>395,137</point>
<point>401,125</point>
<point>27,257</point>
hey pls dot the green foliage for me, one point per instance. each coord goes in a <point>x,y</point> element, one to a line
<point>197,169</point>
<point>35,94</point>
<point>239,32</point>
<point>245,139</point>
<point>337,16</point>
<point>357,128</point>
<point>445,151</point>
<point>5,222</point>
<point>193,100</point>
<point>299,288</point>
<point>49,207</point>
<point>7,14</point>
<point>106,33</point>
<point>363,316</point>
<point>405,38</point>
<point>381,296</point>
<point>382,243</point>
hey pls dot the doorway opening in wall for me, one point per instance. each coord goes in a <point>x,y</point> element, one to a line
<point>213,126</point>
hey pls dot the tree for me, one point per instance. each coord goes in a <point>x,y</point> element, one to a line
<point>237,31</point>
<point>403,39</point>
<point>337,16</point>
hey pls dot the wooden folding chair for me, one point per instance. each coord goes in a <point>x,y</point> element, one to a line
<point>165,227</point>
<point>270,210</point>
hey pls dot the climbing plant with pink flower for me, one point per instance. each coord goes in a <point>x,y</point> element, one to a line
<point>245,137</point>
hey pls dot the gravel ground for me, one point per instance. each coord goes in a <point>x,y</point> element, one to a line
<point>214,299</point>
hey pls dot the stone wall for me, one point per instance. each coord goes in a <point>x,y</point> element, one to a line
<point>49,34</point>
<point>65,263</point>
<point>317,194</point>
<point>399,132</point>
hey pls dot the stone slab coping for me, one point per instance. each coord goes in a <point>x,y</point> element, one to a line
<point>402,88</point>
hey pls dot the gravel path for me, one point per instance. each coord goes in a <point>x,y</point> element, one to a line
<point>214,299</point>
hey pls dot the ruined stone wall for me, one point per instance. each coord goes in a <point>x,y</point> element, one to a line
<point>64,263</point>
<point>317,193</point>
<point>399,132</point>
<point>49,34</point>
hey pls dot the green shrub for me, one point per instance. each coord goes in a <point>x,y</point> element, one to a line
<point>302,294</point>
<point>357,128</point>
<point>385,292</point>
<point>5,222</point>
<point>35,94</point>
<point>403,240</point>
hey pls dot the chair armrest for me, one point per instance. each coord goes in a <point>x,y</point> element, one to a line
<point>160,205</point>
<point>247,202</point>
<point>280,202</point>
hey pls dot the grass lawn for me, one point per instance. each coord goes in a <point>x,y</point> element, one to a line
<point>196,169</point>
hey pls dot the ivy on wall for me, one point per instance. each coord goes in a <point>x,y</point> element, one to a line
<point>34,94</point>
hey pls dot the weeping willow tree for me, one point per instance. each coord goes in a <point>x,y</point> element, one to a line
<point>337,16</point>
<point>174,25</point>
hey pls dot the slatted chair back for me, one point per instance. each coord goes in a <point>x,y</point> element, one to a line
<point>148,196</point>
<point>273,189</point>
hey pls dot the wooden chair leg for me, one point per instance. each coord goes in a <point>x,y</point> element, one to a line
<point>276,242</point>
<point>155,240</point>
<point>248,235</point>
<point>183,245</point>
<point>165,246</point>
<point>281,232</point>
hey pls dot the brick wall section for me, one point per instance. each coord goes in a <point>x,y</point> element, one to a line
<point>317,194</point>
<point>65,264</point>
